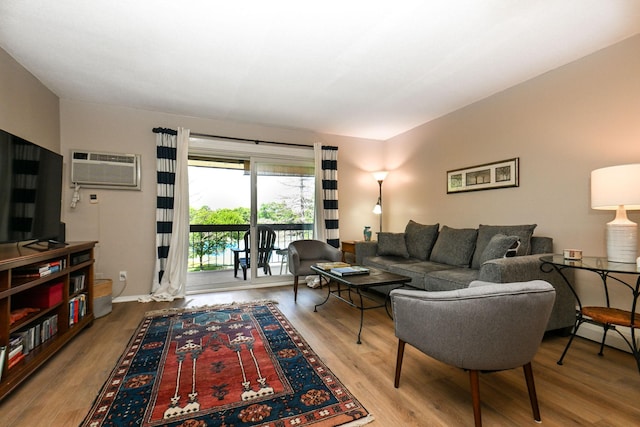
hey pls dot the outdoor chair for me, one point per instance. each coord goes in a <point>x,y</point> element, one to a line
<point>485,327</point>
<point>305,253</point>
<point>241,257</point>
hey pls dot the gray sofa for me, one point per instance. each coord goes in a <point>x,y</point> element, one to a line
<point>448,258</point>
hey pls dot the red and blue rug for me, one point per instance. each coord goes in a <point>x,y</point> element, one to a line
<point>228,366</point>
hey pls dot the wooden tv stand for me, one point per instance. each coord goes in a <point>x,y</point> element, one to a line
<point>58,284</point>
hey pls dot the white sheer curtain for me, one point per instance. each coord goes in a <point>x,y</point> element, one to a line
<point>171,272</point>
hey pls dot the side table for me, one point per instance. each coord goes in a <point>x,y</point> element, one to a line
<point>606,316</point>
<point>348,247</point>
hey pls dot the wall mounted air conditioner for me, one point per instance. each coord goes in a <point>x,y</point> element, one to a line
<point>105,170</point>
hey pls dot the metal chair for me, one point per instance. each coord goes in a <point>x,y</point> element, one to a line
<point>485,327</point>
<point>266,240</point>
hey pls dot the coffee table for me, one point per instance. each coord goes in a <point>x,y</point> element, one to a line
<point>357,284</point>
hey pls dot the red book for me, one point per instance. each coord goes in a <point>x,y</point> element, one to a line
<point>14,361</point>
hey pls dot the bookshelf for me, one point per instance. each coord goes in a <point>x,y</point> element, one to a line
<point>46,299</point>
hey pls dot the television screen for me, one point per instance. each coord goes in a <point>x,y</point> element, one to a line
<point>30,190</point>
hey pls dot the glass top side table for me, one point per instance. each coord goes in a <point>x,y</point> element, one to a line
<point>607,316</point>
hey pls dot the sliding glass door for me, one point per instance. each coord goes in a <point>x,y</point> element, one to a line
<point>284,202</point>
<point>232,193</point>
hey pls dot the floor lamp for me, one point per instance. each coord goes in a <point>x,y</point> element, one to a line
<point>377,209</point>
<point>617,188</point>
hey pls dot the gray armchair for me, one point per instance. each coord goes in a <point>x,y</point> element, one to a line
<point>485,327</point>
<point>305,253</point>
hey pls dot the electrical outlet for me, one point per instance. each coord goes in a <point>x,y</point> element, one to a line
<point>123,276</point>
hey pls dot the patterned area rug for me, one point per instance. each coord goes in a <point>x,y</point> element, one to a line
<point>228,366</point>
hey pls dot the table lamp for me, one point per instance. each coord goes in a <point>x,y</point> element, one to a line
<point>617,188</point>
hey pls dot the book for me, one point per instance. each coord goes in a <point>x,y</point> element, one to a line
<point>14,351</point>
<point>350,271</point>
<point>327,266</point>
<point>3,351</point>
<point>76,283</point>
<point>13,362</point>
<point>38,270</point>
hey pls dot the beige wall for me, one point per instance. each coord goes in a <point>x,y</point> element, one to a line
<point>561,125</point>
<point>124,221</point>
<point>27,108</point>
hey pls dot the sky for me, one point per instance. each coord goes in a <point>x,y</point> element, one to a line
<point>218,188</point>
<point>227,188</point>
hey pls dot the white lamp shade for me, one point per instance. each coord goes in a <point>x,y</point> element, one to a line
<point>616,186</point>
<point>381,175</point>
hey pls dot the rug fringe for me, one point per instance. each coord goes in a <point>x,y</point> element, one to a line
<point>177,310</point>
<point>359,422</point>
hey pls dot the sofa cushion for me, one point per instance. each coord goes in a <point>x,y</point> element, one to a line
<point>386,262</point>
<point>454,246</point>
<point>420,239</point>
<point>499,246</point>
<point>448,280</point>
<point>486,232</point>
<point>392,244</point>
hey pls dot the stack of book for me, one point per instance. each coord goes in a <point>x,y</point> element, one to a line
<point>77,308</point>
<point>16,351</point>
<point>22,342</point>
<point>76,283</point>
<point>39,270</point>
<point>352,270</point>
<point>342,268</point>
<point>327,266</point>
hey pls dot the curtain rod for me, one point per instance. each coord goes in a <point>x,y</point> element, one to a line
<point>255,141</point>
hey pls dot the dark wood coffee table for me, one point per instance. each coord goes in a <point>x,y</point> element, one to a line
<point>358,283</point>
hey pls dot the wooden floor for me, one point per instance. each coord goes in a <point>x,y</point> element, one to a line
<point>586,390</point>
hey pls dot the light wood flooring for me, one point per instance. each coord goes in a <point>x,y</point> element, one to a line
<point>586,390</point>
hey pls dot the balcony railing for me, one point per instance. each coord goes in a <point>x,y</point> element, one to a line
<point>210,244</point>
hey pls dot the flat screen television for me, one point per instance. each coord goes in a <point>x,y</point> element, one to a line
<point>30,191</point>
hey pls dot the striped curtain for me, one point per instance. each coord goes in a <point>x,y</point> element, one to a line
<point>172,214</point>
<point>326,221</point>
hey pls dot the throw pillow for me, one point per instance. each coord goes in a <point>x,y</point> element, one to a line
<point>454,246</point>
<point>499,247</point>
<point>420,239</point>
<point>486,232</point>
<point>392,244</point>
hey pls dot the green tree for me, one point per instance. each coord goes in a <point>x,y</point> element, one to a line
<point>212,243</point>
<point>231,216</point>
<point>276,213</point>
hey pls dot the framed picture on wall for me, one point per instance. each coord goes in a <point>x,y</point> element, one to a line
<point>500,174</point>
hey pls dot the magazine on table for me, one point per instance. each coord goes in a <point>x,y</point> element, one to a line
<point>350,271</point>
<point>328,266</point>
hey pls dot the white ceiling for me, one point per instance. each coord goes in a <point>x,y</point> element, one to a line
<point>365,68</point>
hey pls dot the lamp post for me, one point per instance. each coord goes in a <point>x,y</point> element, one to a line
<point>377,209</point>
<point>616,188</point>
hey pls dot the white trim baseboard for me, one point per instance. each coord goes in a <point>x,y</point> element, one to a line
<point>594,333</point>
<point>233,287</point>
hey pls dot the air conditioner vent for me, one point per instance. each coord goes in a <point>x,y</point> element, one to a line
<point>114,158</point>
<point>105,170</point>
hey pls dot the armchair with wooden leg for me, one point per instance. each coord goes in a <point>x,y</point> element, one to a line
<point>485,327</point>
<point>305,253</point>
